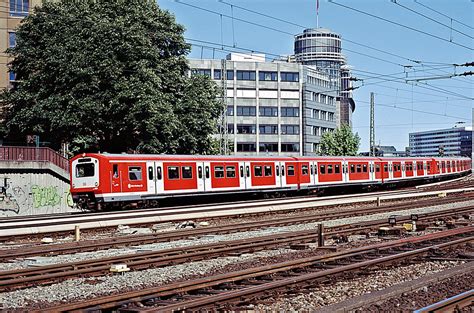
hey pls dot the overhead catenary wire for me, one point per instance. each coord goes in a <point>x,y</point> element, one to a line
<point>429,18</point>
<point>442,14</point>
<point>400,24</point>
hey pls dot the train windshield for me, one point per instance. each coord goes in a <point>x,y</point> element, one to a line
<point>85,170</point>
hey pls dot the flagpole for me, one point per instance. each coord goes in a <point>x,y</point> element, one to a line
<point>317,13</point>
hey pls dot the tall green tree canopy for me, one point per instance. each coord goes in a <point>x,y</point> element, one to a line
<point>109,76</point>
<point>341,142</point>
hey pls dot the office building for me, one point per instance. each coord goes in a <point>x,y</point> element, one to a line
<point>11,15</point>
<point>320,48</point>
<point>273,108</point>
<point>456,141</point>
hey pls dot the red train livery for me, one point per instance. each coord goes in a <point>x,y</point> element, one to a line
<point>114,179</point>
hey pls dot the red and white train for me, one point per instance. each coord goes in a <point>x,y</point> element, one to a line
<point>102,180</point>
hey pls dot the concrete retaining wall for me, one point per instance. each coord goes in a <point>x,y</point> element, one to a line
<point>31,188</point>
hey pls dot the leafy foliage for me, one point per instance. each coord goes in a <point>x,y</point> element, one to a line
<point>108,76</point>
<point>341,142</point>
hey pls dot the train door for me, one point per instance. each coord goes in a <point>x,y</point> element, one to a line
<point>205,182</point>
<point>282,174</point>
<point>116,179</point>
<point>159,188</point>
<point>247,177</point>
<point>151,177</point>
<point>314,173</point>
<point>292,171</point>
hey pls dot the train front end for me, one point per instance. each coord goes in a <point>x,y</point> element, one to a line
<point>85,181</point>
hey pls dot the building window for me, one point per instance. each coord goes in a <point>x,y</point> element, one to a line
<point>268,129</point>
<point>289,77</point>
<point>330,116</point>
<point>12,76</point>
<point>245,129</point>
<point>230,128</point>
<point>11,39</point>
<point>245,75</point>
<point>246,111</point>
<point>316,147</point>
<point>316,113</point>
<point>290,129</point>
<point>316,131</point>
<point>268,147</point>
<point>230,75</point>
<point>19,7</point>
<point>268,76</point>
<point>286,111</point>
<point>268,111</point>
<point>323,115</point>
<point>230,110</point>
<point>246,147</point>
<point>290,147</point>
<point>199,71</point>
<point>217,74</point>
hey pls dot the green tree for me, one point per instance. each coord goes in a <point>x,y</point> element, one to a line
<point>341,142</point>
<point>109,76</point>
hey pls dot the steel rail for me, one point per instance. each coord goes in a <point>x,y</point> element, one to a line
<point>378,254</point>
<point>11,229</point>
<point>93,245</point>
<point>48,274</point>
<point>452,304</point>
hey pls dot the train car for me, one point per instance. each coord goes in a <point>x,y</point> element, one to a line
<point>100,181</point>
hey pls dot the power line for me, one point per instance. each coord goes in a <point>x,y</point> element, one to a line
<point>442,14</point>
<point>431,19</point>
<point>281,31</point>
<point>399,24</point>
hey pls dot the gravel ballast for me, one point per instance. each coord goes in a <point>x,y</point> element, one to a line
<point>210,239</point>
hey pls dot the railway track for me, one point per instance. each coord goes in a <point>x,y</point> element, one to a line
<point>48,274</point>
<point>11,228</point>
<point>108,243</point>
<point>452,304</point>
<point>234,290</point>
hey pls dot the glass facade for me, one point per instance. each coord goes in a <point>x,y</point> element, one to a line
<point>447,142</point>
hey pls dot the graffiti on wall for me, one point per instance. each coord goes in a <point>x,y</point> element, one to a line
<point>32,199</point>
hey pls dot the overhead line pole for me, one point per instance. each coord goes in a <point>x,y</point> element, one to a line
<point>372,125</point>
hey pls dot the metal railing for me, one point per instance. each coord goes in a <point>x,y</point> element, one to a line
<point>43,154</point>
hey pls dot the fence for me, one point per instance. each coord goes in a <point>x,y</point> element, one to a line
<point>33,154</point>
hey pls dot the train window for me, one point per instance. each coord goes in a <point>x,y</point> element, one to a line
<point>257,171</point>
<point>359,168</point>
<point>134,173</point>
<point>207,171</point>
<point>322,169</point>
<point>277,170</point>
<point>377,168</point>
<point>429,167</point>
<point>230,171</point>
<point>337,169</point>
<point>248,171</point>
<point>115,170</point>
<point>304,169</point>
<point>173,172</point>
<point>85,170</point>
<point>218,171</point>
<point>282,170</point>
<point>268,170</point>
<point>200,171</point>
<point>352,168</point>
<point>329,168</point>
<point>150,173</point>
<point>291,170</point>
<point>158,173</point>
<point>186,172</point>
<point>315,169</point>
<point>312,172</point>
<point>385,167</point>
<point>241,171</point>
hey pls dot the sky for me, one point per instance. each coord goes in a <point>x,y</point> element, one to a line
<point>375,49</point>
